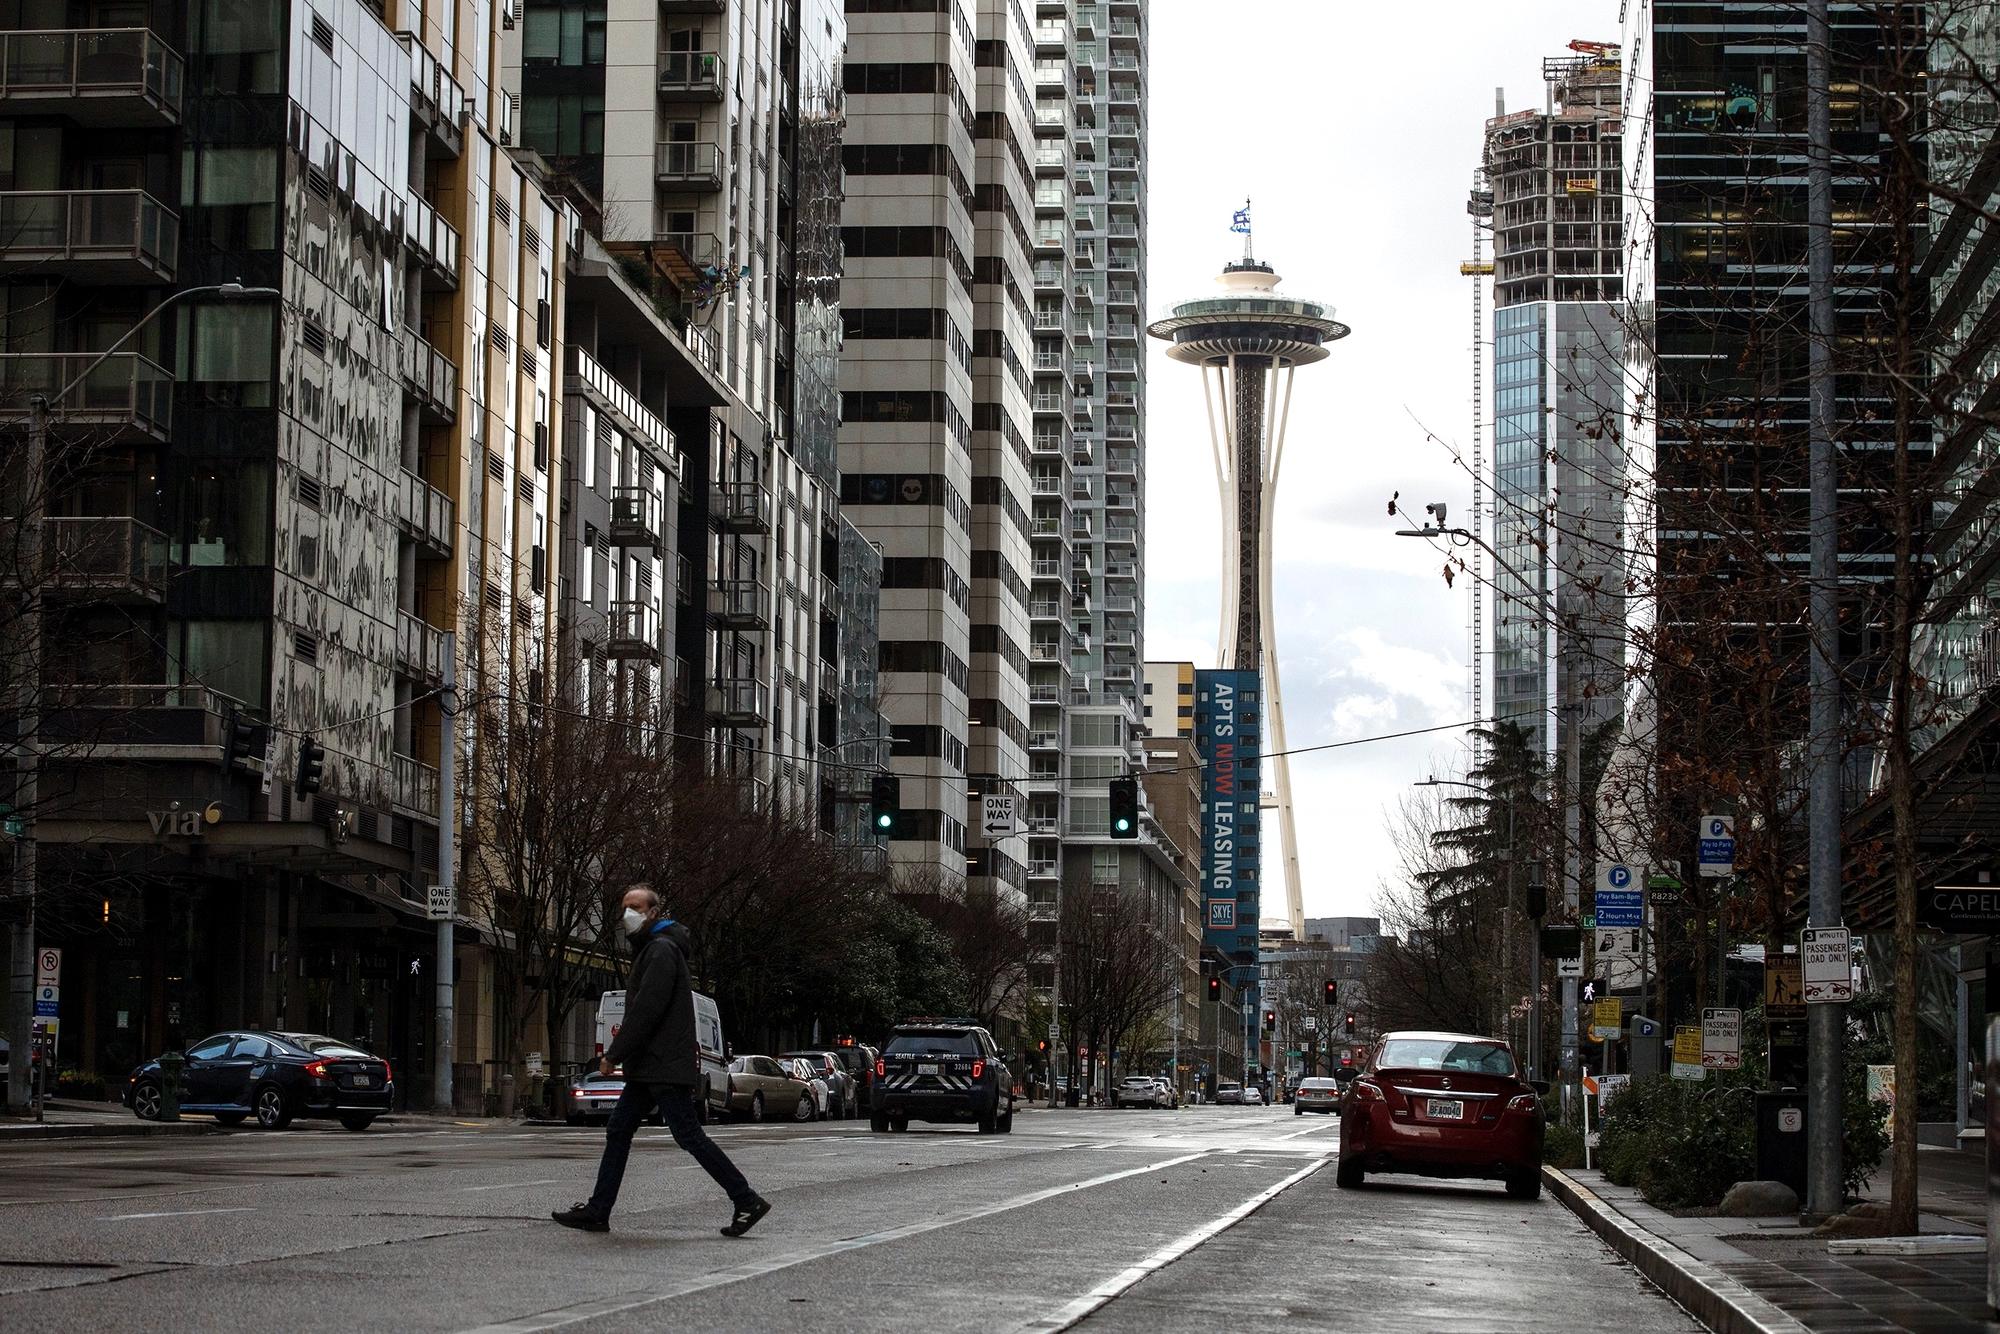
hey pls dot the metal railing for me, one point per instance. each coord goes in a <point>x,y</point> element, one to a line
<point>744,505</point>
<point>414,785</point>
<point>90,62</point>
<point>737,700</point>
<point>590,375</point>
<point>433,238</point>
<point>46,226</point>
<point>632,629</point>
<point>103,554</point>
<point>688,162</point>
<point>124,388</point>
<point>429,373</point>
<point>740,602</point>
<point>634,517</point>
<point>419,646</point>
<point>691,72</point>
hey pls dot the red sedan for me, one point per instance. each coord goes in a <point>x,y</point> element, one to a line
<point>1443,1105</point>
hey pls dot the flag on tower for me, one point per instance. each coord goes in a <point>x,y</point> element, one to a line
<point>1239,221</point>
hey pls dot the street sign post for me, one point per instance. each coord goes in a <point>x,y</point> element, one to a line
<point>1826,956</point>
<point>1607,1020</point>
<point>1569,968</point>
<point>48,1002</point>
<point>439,905</point>
<point>996,815</point>
<point>1687,1053</point>
<point>1715,846</point>
<point>1784,987</point>
<point>1616,942</point>
<point>48,966</point>
<point>1722,1039</point>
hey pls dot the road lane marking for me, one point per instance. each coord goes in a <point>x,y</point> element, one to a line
<point>176,1213</point>
<point>1123,1281</point>
<point>632,1301</point>
<point>513,1185</point>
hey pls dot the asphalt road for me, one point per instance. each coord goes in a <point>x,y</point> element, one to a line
<point>1202,1219</point>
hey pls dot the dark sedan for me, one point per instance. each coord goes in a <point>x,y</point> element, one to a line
<point>273,1077</point>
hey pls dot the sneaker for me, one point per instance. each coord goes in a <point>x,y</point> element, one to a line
<point>746,1216</point>
<point>582,1217</point>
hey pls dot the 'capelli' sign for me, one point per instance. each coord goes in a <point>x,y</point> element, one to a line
<point>1965,909</point>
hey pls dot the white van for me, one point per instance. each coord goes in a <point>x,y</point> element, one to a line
<point>711,1053</point>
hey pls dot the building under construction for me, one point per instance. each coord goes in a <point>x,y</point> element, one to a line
<point>1558,246</point>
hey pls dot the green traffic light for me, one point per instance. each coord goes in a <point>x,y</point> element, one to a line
<point>884,820</point>
<point>1123,825</point>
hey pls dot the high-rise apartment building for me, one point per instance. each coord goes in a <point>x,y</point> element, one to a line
<point>1167,692</point>
<point>324,434</point>
<point>700,139</point>
<point>1558,379</point>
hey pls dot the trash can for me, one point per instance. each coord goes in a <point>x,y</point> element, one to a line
<point>1781,1138</point>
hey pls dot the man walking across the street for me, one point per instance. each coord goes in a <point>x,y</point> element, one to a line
<point>656,1045</point>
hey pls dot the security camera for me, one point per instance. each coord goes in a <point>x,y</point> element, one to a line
<point>1436,509</point>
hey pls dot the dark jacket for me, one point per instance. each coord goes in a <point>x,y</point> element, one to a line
<point>655,1043</point>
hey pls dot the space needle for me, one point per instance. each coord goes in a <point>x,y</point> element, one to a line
<point>1249,341</point>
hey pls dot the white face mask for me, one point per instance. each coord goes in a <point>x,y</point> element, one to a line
<point>634,919</point>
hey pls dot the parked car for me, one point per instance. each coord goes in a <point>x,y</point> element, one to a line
<point>818,1105</point>
<point>592,1096</point>
<point>759,1088</point>
<point>1317,1094</point>
<point>1443,1105</point>
<point>1137,1091</point>
<point>859,1060</point>
<point>274,1077</point>
<point>1228,1093</point>
<point>840,1084</point>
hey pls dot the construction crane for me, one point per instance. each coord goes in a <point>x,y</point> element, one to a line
<point>1479,204</point>
<point>1601,50</point>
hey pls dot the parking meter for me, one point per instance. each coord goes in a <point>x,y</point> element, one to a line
<point>170,1085</point>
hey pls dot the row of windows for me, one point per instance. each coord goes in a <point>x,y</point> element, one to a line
<point>894,322</point>
<point>924,741</point>
<point>908,243</point>
<point>923,655</point>
<point>907,405</point>
<point>910,488</point>
<point>889,77</point>
<point>927,572</point>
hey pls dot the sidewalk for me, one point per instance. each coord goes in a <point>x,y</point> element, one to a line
<point>65,1118</point>
<point>1771,1275</point>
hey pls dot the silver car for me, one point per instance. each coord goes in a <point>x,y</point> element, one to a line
<point>1138,1091</point>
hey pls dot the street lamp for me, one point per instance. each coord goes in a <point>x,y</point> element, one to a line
<point>28,714</point>
<point>1435,527</point>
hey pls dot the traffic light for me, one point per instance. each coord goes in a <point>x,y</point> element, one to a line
<point>1270,1021</point>
<point>885,802</point>
<point>1350,1024</point>
<point>242,742</point>
<point>1538,895</point>
<point>1042,1046</point>
<point>1215,988</point>
<point>312,768</point>
<point>1125,807</point>
<point>1332,991</point>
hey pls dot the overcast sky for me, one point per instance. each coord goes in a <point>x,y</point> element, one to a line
<point>1355,129</point>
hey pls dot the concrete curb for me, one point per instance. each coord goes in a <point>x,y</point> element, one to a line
<point>1720,1302</point>
<point>35,1132</point>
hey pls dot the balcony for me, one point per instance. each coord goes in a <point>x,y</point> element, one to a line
<point>126,395</point>
<point>829,595</point>
<point>1047,650</point>
<point>414,787</point>
<point>583,374</point>
<point>437,99</point>
<point>111,78</point>
<point>99,559</point>
<point>635,518</point>
<point>137,722</point>
<point>428,515</point>
<point>737,702</point>
<point>1121,500</point>
<point>433,241</point>
<point>739,604</point>
<point>632,631</point>
<point>1041,911</point>
<point>740,507</point>
<point>419,649</point>
<point>829,681</point>
<point>431,378</point>
<point>688,166</point>
<point>685,254</point>
<point>1044,741</point>
<point>693,6</point>
<point>121,237</point>
<point>1121,463</point>
<point>691,76</point>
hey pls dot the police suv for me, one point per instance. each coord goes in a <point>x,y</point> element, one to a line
<point>942,1070</point>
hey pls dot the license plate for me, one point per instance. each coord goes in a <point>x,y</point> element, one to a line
<point>1444,1109</point>
<point>361,1081</point>
<point>927,1067</point>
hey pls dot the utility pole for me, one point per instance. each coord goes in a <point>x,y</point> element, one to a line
<point>1824,1022</point>
<point>21,1090</point>
<point>446,964</point>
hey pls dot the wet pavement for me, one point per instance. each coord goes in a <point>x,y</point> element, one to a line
<point>1201,1219</point>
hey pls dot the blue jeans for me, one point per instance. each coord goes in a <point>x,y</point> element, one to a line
<point>677,1107</point>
